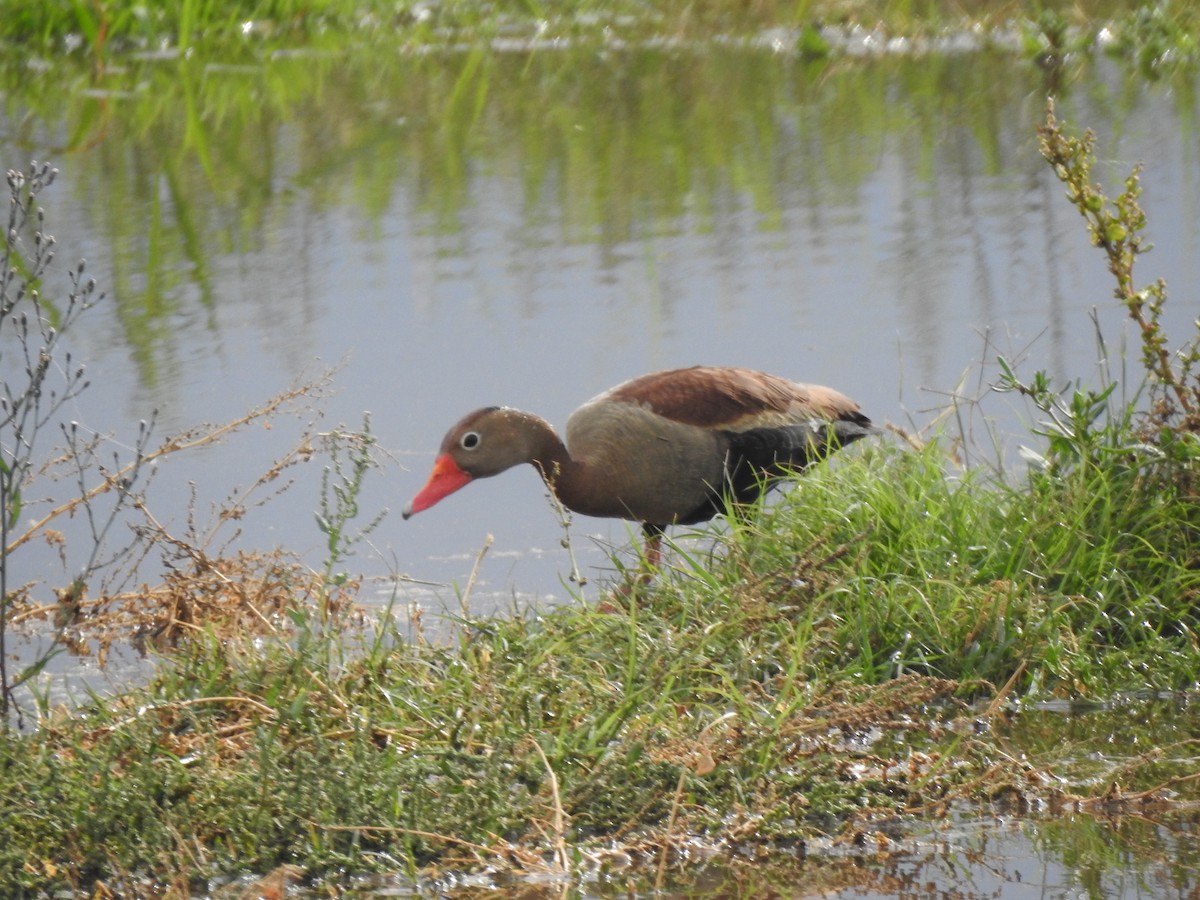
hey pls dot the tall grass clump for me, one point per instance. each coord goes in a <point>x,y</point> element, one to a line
<point>1079,577</point>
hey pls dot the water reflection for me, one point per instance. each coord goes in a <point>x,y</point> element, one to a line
<point>530,228</point>
<point>967,858</point>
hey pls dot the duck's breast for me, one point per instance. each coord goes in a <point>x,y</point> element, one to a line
<point>639,464</point>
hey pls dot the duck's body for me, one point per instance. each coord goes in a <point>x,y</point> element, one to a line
<point>668,448</point>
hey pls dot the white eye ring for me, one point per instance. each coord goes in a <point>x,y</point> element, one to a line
<point>469,441</point>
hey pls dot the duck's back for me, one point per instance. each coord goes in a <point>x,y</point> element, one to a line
<point>664,448</point>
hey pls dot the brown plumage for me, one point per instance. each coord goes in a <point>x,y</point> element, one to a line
<point>667,448</point>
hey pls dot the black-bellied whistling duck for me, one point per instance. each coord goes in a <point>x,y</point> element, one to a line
<point>664,449</point>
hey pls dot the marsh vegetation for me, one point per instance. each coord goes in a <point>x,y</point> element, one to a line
<point>849,662</point>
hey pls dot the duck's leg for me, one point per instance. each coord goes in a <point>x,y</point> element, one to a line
<point>647,566</point>
<point>652,550</point>
<point>651,560</point>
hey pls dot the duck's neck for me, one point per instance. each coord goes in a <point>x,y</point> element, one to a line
<point>567,478</point>
<point>553,462</point>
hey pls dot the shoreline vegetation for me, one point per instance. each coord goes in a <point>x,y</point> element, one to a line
<point>1149,36</point>
<point>844,663</point>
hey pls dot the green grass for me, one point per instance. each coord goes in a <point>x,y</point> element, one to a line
<point>762,693</point>
<point>965,578</point>
<point>1145,33</point>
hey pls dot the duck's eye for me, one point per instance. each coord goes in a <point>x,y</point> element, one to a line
<point>469,441</point>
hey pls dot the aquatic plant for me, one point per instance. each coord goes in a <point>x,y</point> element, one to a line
<point>38,384</point>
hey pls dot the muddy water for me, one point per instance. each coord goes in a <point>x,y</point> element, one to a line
<point>993,858</point>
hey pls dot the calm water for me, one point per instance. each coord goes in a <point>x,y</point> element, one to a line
<point>887,229</point>
<point>529,229</point>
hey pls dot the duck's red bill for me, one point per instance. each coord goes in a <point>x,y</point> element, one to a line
<point>445,479</point>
